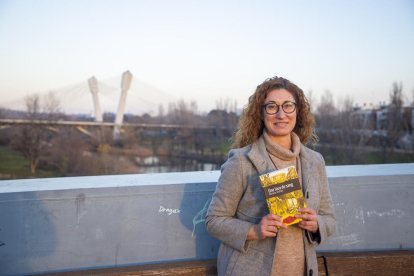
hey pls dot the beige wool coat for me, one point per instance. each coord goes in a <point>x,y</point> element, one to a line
<point>239,202</point>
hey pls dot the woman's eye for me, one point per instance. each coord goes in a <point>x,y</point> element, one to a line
<point>271,107</point>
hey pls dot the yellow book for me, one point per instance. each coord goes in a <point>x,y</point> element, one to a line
<point>284,195</point>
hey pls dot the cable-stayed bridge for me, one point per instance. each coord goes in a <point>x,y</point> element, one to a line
<point>77,98</point>
<point>95,97</point>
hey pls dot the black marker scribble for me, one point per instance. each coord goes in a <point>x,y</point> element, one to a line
<point>2,243</point>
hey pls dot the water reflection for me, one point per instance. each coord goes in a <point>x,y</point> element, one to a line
<point>154,164</point>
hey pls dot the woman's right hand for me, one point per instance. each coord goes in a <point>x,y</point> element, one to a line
<point>267,227</point>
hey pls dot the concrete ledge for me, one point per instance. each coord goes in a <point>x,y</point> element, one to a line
<point>370,263</point>
<point>337,263</point>
<point>187,268</point>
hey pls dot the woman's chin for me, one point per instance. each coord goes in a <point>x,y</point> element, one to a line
<point>279,133</point>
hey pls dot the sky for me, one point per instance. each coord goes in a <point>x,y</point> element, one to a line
<point>205,51</point>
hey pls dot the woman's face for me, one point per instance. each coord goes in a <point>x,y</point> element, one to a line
<point>279,125</point>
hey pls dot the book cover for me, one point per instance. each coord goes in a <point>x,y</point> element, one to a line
<point>284,195</point>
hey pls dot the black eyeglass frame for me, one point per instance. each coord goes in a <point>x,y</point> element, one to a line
<point>278,106</point>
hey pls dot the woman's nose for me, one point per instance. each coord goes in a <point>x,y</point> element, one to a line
<point>280,113</point>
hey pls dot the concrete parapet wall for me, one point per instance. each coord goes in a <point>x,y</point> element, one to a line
<point>396,263</point>
<point>77,223</point>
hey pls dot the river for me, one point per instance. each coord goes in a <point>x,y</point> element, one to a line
<point>154,164</point>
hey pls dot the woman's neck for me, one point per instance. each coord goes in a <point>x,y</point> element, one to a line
<point>283,141</point>
<point>278,150</point>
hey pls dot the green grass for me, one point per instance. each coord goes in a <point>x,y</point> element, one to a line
<point>225,146</point>
<point>374,157</point>
<point>396,157</point>
<point>13,165</point>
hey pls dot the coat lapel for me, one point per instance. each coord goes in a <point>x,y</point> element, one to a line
<point>260,158</point>
<point>307,165</point>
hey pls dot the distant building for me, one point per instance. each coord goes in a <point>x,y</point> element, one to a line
<point>382,116</point>
<point>366,117</point>
<point>376,117</point>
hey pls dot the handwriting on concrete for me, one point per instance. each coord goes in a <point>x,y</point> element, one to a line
<point>394,213</point>
<point>169,211</point>
<point>200,216</point>
<point>346,239</point>
<point>122,228</point>
<point>353,217</point>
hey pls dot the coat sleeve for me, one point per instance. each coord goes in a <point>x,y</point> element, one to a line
<point>326,213</point>
<point>221,221</point>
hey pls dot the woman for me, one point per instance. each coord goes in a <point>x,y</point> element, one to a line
<point>274,127</point>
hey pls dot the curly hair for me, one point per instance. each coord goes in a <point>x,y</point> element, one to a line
<point>251,124</point>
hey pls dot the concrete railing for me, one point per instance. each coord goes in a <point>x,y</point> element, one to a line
<point>77,223</point>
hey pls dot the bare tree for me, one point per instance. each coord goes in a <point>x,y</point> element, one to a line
<point>182,112</point>
<point>395,123</point>
<point>327,110</point>
<point>345,134</point>
<point>69,153</point>
<point>412,96</point>
<point>412,122</point>
<point>326,116</point>
<point>31,140</point>
<point>224,117</point>
<point>160,114</point>
<point>311,100</point>
<point>51,107</point>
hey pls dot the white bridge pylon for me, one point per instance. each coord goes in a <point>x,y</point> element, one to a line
<point>93,86</point>
<point>125,85</point>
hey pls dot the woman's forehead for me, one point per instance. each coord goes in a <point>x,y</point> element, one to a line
<point>279,96</point>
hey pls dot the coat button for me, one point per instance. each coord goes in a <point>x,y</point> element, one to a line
<point>310,272</point>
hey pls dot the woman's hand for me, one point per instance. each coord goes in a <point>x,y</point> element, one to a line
<point>266,228</point>
<point>310,220</point>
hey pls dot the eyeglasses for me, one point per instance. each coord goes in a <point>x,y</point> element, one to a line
<point>273,108</point>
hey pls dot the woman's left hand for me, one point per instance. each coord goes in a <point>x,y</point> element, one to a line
<point>309,219</point>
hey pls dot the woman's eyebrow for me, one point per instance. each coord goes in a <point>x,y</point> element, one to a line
<point>282,103</point>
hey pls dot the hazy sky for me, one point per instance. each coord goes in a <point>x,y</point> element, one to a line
<point>207,50</point>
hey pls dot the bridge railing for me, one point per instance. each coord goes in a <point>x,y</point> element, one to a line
<point>22,122</point>
<point>77,223</point>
